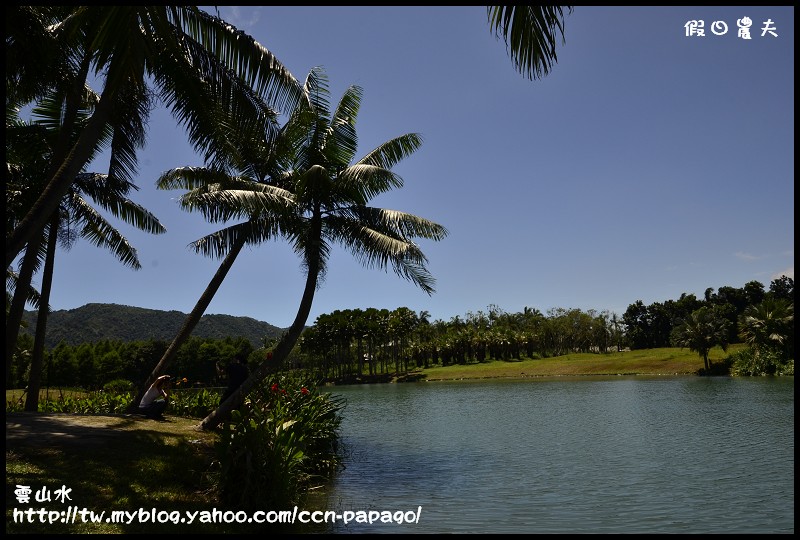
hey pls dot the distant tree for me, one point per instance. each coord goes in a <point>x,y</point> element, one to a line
<point>782,287</point>
<point>661,318</point>
<point>110,367</point>
<point>703,330</point>
<point>754,293</point>
<point>637,323</point>
<point>732,303</point>
<point>63,368</point>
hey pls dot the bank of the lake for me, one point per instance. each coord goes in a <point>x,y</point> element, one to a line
<point>664,361</point>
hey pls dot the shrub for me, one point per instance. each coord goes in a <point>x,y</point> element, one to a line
<point>750,362</point>
<point>119,386</point>
<point>285,436</point>
<point>193,403</point>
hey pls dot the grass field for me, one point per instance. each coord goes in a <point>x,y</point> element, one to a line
<point>667,361</point>
<point>45,394</point>
<point>145,463</point>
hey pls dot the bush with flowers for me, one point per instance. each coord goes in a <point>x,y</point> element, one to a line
<point>283,439</point>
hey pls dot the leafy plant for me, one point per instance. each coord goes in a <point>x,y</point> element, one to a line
<point>193,403</point>
<point>119,386</point>
<point>756,362</point>
<point>284,437</point>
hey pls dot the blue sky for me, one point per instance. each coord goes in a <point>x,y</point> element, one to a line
<point>646,165</point>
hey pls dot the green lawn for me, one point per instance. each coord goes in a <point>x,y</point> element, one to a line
<point>666,361</point>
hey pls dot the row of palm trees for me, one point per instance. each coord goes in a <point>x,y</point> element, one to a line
<point>297,181</point>
<point>339,344</point>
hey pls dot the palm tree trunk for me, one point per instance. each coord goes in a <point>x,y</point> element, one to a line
<point>35,378</point>
<point>193,318</point>
<point>279,355</point>
<point>20,298</point>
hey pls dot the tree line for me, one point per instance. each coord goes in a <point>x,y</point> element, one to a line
<point>94,365</point>
<point>354,342</point>
<point>351,343</point>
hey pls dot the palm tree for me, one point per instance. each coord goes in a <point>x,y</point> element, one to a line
<point>768,325</point>
<point>530,35</point>
<point>206,71</point>
<point>78,217</point>
<point>254,194</point>
<point>29,150</point>
<point>330,204</point>
<point>703,330</point>
<point>24,162</point>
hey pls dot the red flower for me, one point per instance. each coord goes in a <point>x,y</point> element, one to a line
<point>304,391</point>
<point>283,391</point>
<point>274,387</point>
<point>269,356</point>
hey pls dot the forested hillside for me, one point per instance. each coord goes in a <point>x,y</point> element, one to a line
<point>95,322</point>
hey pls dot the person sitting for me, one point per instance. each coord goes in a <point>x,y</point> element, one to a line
<point>155,400</point>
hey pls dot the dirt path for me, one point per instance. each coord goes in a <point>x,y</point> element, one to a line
<point>62,429</point>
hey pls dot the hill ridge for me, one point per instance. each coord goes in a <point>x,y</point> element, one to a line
<point>94,322</point>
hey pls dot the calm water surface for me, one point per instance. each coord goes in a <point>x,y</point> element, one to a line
<point>601,455</point>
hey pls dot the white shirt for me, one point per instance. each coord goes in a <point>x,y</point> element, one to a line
<point>150,396</point>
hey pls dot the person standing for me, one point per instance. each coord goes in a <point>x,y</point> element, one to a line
<point>237,372</point>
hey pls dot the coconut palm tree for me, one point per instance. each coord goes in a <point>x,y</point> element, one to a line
<point>203,69</point>
<point>530,35</point>
<point>28,149</point>
<point>253,194</point>
<point>78,217</point>
<point>331,196</point>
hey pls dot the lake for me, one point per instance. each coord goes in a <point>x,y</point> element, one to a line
<point>569,455</point>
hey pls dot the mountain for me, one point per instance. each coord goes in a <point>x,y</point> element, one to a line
<point>95,322</point>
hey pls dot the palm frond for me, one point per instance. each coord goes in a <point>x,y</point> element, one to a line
<point>342,142</point>
<point>367,181</point>
<point>101,233</point>
<point>388,154</point>
<point>317,92</point>
<point>377,249</point>
<point>395,222</point>
<point>191,178</point>
<point>129,121</point>
<point>530,34</point>
<point>255,231</point>
<point>12,277</point>
<point>257,66</point>
<point>110,193</point>
<point>227,204</point>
